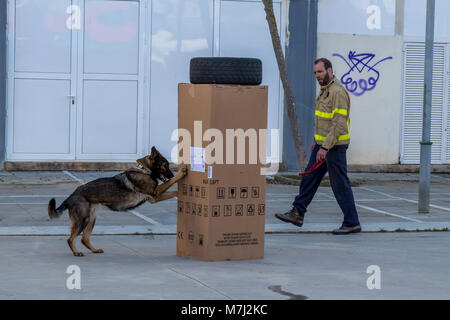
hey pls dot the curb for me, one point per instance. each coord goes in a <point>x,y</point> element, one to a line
<point>354,182</point>
<point>278,228</point>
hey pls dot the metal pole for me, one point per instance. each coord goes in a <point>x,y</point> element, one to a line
<point>425,144</point>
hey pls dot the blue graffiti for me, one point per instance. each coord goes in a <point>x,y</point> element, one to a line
<point>360,63</point>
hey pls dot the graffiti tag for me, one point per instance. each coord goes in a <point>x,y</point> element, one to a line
<point>360,67</point>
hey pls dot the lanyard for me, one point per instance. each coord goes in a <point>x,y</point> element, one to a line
<point>313,167</point>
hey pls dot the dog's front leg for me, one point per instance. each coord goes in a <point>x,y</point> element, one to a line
<point>159,190</point>
<point>164,196</point>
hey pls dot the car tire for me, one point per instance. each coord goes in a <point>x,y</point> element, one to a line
<point>223,70</point>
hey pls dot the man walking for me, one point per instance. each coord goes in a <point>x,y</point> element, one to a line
<point>331,140</point>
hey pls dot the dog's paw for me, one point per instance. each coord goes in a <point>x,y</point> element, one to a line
<point>78,254</point>
<point>98,251</point>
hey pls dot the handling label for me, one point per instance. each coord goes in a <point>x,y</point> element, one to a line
<point>197,159</point>
<point>237,239</point>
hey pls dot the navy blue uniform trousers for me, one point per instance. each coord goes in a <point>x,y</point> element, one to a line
<point>336,165</point>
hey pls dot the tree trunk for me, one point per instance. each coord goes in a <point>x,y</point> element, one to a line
<point>289,96</point>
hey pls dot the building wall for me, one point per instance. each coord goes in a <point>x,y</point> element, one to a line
<point>375,115</point>
<point>365,45</point>
<point>2,78</point>
<point>163,35</point>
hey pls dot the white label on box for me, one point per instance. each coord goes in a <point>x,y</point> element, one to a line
<point>198,159</point>
<point>209,172</point>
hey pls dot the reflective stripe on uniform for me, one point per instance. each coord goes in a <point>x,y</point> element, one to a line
<point>340,138</point>
<point>319,138</point>
<point>330,115</point>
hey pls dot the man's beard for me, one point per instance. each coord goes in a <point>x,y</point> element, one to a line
<point>326,79</point>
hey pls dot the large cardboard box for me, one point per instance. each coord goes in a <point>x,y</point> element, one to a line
<point>221,202</point>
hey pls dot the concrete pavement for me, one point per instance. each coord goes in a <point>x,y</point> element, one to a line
<point>383,205</point>
<point>295,266</point>
<point>140,259</point>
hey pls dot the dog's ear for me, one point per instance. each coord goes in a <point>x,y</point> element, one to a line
<point>155,152</point>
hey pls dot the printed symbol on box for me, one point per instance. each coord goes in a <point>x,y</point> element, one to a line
<point>184,189</point>
<point>188,207</point>
<point>220,193</point>
<point>239,210</point>
<point>194,207</point>
<point>180,207</point>
<point>197,191</point>
<point>215,211</point>
<point>255,192</point>
<point>191,236</point>
<point>203,192</point>
<point>180,235</point>
<point>261,209</point>
<point>232,192</point>
<point>244,192</point>
<point>250,209</point>
<point>205,210</point>
<point>191,191</point>
<point>200,239</point>
<point>228,210</point>
<point>199,210</point>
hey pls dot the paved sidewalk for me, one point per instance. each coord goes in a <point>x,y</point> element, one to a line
<point>140,260</point>
<point>385,202</point>
<point>295,267</point>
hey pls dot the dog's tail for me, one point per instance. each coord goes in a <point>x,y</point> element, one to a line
<point>54,213</point>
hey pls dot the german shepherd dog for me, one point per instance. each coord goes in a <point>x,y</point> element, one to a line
<point>124,191</point>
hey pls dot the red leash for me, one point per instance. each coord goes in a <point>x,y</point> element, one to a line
<point>313,167</point>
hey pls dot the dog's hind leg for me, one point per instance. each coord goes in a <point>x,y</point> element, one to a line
<point>75,230</point>
<point>79,217</point>
<point>85,239</point>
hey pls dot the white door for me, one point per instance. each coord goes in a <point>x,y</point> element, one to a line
<point>41,73</point>
<point>75,79</point>
<point>110,80</point>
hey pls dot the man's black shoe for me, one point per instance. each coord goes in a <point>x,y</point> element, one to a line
<point>291,216</point>
<point>347,230</point>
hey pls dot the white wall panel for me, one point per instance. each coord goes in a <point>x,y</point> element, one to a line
<point>41,116</point>
<point>415,18</point>
<point>110,117</point>
<point>111,37</point>
<point>362,17</point>
<point>42,39</point>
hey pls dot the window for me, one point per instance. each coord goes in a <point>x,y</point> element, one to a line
<point>367,17</point>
